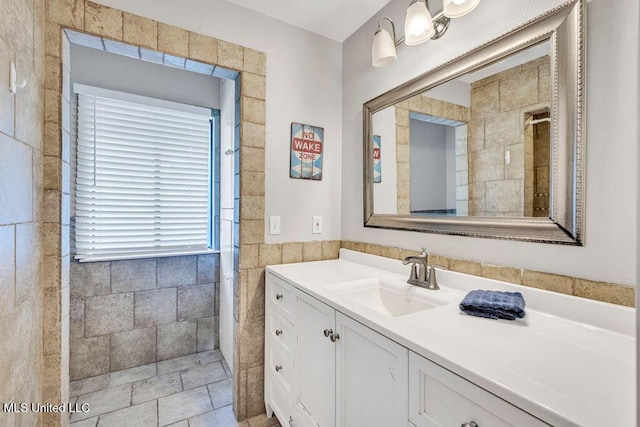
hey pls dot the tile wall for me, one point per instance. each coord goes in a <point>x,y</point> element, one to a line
<point>500,105</point>
<point>601,291</point>
<point>134,312</point>
<point>433,107</point>
<point>21,216</point>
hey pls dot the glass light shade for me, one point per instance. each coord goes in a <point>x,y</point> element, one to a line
<point>383,50</point>
<point>458,8</point>
<point>418,25</point>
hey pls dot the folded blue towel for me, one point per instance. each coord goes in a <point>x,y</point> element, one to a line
<point>494,304</point>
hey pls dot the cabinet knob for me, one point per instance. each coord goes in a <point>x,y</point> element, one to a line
<point>278,332</point>
<point>469,424</point>
<point>336,337</point>
<point>279,296</point>
<point>328,332</point>
<point>291,421</point>
<point>279,368</point>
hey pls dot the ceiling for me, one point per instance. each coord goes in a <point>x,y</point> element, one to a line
<point>335,19</point>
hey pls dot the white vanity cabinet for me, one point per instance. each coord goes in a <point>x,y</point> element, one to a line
<point>339,373</point>
<point>440,398</point>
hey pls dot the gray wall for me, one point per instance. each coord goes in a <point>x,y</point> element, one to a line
<point>428,166</point>
<point>116,72</point>
<point>133,312</point>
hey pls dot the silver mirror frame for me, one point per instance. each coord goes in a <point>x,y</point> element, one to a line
<point>564,27</point>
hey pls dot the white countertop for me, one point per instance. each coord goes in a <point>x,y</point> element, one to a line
<point>569,362</point>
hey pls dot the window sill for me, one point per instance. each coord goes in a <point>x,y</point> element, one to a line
<point>143,256</point>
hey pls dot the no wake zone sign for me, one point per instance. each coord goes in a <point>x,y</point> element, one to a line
<point>307,143</point>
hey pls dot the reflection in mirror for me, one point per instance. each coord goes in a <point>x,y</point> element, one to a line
<point>477,145</point>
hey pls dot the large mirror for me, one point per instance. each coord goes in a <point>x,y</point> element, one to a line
<point>488,145</point>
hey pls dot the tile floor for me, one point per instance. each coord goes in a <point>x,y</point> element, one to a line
<point>189,391</point>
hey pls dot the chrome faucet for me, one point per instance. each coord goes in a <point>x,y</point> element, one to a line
<point>421,274</point>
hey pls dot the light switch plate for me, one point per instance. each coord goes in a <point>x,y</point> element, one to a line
<point>317,225</point>
<point>274,225</point>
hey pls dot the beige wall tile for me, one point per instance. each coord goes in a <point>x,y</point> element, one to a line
<point>51,239</point>
<point>52,101</point>
<point>403,136</point>
<point>255,300</point>
<point>203,48</point>
<point>607,292</point>
<point>402,154</point>
<point>69,13</point>
<point>504,196</point>
<point>254,85</point>
<point>139,31</point>
<point>390,252</point>
<point>347,244</point>
<point>252,183</point>
<point>52,143</point>
<point>439,260</point>
<point>251,339</point>
<point>402,117</point>
<point>372,249</point>
<point>103,21</point>
<point>255,62</point>
<point>330,249</point>
<point>253,110</point>
<point>505,274</point>
<point>173,40</point>
<point>252,207</point>
<point>415,103</point>
<point>253,135</point>
<point>249,256</point>
<point>519,89</point>
<point>549,282</point>
<point>291,252</point>
<point>53,75</point>
<point>230,55</point>
<point>503,129</point>
<point>252,231</point>
<point>270,254</point>
<point>255,391</point>
<point>463,266</point>
<point>52,169</point>
<point>52,35</point>
<point>311,251</point>
<point>252,159</point>
<point>485,100</point>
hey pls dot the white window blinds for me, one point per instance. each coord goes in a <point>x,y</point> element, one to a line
<point>143,184</point>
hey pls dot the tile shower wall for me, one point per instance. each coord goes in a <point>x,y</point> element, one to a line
<point>499,106</point>
<point>22,352</point>
<point>134,312</point>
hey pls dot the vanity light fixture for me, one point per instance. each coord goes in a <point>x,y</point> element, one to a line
<point>419,26</point>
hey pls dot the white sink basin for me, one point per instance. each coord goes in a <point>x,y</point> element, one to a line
<point>389,297</point>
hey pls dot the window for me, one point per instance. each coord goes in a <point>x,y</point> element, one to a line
<point>143,176</point>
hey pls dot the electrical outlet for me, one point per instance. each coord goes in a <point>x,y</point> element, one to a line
<point>274,225</point>
<point>317,225</point>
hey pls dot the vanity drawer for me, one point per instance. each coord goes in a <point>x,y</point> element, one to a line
<point>280,370</point>
<point>439,398</point>
<point>281,333</point>
<point>281,296</point>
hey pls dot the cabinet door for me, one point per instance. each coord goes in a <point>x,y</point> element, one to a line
<point>439,398</point>
<point>372,376</point>
<point>315,364</point>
